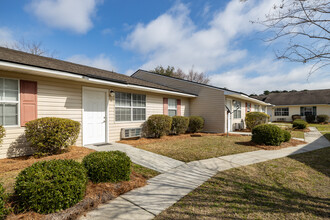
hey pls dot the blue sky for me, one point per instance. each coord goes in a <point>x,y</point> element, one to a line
<point>212,36</point>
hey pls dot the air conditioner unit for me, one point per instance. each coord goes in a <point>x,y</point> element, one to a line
<point>237,126</point>
<point>130,132</point>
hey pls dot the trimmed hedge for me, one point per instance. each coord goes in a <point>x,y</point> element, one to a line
<point>299,124</point>
<point>3,197</point>
<point>196,124</point>
<point>294,117</point>
<point>50,135</point>
<point>286,136</point>
<point>179,124</point>
<point>253,119</point>
<point>322,118</point>
<point>267,134</point>
<point>2,133</point>
<point>159,125</point>
<point>310,118</point>
<point>51,186</point>
<point>110,166</point>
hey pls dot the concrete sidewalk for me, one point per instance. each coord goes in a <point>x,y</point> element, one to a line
<point>166,189</point>
<point>142,157</point>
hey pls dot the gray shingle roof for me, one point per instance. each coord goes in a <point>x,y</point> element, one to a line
<point>19,57</point>
<point>306,97</point>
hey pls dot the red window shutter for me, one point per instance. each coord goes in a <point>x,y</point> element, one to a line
<point>178,107</point>
<point>28,96</point>
<point>165,106</point>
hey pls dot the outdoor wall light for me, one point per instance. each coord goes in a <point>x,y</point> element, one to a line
<point>112,93</point>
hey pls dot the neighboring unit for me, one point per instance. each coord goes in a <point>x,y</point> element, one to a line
<point>212,103</point>
<point>307,102</point>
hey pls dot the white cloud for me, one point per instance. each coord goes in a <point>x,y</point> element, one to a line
<point>6,37</point>
<point>266,74</point>
<point>101,61</point>
<point>173,39</point>
<point>74,15</point>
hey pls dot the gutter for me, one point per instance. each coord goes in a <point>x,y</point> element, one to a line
<point>77,77</point>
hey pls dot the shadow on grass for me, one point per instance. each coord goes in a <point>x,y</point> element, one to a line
<point>276,189</point>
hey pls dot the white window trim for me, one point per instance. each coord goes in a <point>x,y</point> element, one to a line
<point>16,102</point>
<point>236,110</point>
<point>281,111</point>
<point>172,108</point>
<point>131,107</point>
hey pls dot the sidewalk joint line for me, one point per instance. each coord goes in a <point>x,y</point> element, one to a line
<point>137,205</point>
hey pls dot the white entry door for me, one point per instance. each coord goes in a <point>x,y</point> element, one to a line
<point>94,116</point>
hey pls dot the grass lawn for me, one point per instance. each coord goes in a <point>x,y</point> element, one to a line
<point>198,148</point>
<point>297,134</point>
<point>295,187</point>
<point>10,168</point>
<point>325,127</point>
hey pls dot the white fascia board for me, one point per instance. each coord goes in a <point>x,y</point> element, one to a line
<point>244,97</point>
<point>72,76</point>
<point>142,88</point>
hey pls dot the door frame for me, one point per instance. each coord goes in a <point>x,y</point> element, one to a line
<point>106,91</point>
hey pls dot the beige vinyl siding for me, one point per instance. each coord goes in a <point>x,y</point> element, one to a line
<point>63,98</point>
<point>210,104</point>
<point>295,110</point>
<point>55,98</point>
<point>154,105</point>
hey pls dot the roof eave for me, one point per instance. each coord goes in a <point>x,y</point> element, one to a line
<point>10,66</point>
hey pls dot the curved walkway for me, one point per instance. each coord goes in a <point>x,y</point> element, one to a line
<point>167,188</point>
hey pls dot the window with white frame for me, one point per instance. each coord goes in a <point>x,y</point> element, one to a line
<point>256,108</point>
<point>172,107</point>
<point>263,109</point>
<point>237,109</point>
<point>281,111</point>
<point>130,107</point>
<point>9,102</point>
<point>310,110</point>
<point>248,107</point>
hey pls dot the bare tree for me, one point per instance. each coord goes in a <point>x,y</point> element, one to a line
<point>304,25</point>
<point>178,73</point>
<point>30,47</point>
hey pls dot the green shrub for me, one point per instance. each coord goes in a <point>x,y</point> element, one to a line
<point>322,118</point>
<point>3,197</point>
<point>50,135</point>
<point>196,124</point>
<point>2,133</point>
<point>310,118</point>
<point>267,134</point>
<point>253,119</point>
<point>294,117</point>
<point>159,125</point>
<point>299,124</point>
<point>110,166</point>
<point>179,124</point>
<point>286,136</point>
<point>51,186</point>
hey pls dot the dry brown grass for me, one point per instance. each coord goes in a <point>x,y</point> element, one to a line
<point>187,148</point>
<point>295,187</point>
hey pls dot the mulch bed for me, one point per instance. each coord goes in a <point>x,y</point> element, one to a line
<point>18,163</point>
<point>96,194</point>
<point>143,141</point>
<point>291,143</point>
